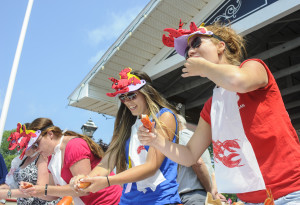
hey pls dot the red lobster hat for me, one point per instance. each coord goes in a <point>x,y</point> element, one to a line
<point>127,83</point>
<point>178,38</point>
<point>22,139</point>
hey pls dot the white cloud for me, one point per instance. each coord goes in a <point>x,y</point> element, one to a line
<point>94,59</point>
<point>119,23</point>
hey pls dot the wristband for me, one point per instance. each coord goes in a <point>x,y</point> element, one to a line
<point>107,180</point>
<point>46,189</point>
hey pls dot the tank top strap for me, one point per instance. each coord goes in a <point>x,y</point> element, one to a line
<point>35,161</point>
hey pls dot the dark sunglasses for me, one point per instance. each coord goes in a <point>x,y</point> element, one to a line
<point>196,42</point>
<point>129,96</point>
<point>35,145</point>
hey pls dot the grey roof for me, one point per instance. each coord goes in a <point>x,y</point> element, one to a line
<point>272,36</point>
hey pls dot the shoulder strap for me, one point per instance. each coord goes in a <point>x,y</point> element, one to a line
<point>35,161</point>
<point>23,162</point>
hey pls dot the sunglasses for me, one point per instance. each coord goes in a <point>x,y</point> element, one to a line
<point>129,97</point>
<point>196,42</point>
<point>35,145</point>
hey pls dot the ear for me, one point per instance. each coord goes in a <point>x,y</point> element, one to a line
<point>221,47</point>
<point>50,134</point>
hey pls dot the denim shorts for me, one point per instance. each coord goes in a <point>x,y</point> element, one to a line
<point>290,199</point>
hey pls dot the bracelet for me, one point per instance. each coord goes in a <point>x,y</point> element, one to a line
<point>46,189</point>
<point>9,194</point>
<point>107,180</point>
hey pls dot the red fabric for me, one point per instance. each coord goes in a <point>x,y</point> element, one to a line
<point>76,150</point>
<point>274,140</point>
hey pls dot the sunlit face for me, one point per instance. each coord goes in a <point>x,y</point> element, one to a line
<point>204,48</point>
<point>45,145</point>
<point>136,105</point>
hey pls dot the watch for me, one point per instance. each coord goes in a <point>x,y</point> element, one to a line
<point>9,194</point>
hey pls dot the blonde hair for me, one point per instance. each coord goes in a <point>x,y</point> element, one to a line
<point>236,44</point>
<point>46,125</point>
<point>125,120</point>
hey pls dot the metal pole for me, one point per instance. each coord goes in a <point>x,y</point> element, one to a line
<point>14,70</point>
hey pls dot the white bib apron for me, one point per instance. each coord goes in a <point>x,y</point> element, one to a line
<point>137,155</point>
<point>236,167</point>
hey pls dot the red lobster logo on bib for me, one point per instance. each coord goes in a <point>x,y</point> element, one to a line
<point>226,151</point>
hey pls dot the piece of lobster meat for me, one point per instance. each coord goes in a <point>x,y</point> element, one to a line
<point>146,122</point>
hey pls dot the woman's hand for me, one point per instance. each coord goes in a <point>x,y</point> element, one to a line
<point>75,181</point>
<point>195,67</point>
<point>145,136</point>
<point>32,190</point>
<point>217,195</point>
<point>97,183</point>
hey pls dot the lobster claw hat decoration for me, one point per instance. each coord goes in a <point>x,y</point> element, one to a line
<point>22,139</point>
<point>127,83</point>
<point>178,38</point>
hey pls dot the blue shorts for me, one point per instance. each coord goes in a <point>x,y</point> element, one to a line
<point>290,199</point>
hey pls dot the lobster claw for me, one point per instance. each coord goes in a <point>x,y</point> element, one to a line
<point>231,144</point>
<point>227,161</point>
<point>168,41</point>
<point>124,72</point>
<point>193,27</point>
<point>113,80</point>
<point>19,127</point>
<point>173,32</point>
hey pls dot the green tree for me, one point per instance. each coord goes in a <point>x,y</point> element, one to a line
<point>7,154</point>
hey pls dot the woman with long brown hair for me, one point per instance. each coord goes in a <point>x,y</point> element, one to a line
<point>71,154</point>
<point>148,176</point>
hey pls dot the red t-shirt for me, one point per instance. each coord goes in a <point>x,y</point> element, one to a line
<point>274,140</point>
<point>76,150</point>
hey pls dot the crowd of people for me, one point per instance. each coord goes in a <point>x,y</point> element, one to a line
<point>256,149</point>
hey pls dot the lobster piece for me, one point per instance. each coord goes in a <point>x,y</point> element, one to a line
<point>83,185</point>
<point>66,200</point>
<point>269,200</point>
<point>26,185</point>
<point>146,122</point>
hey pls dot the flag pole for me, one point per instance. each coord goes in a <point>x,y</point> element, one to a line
<point>14,69</point>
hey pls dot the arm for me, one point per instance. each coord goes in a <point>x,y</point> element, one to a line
<point>214,189</point>
<point>15,193</point>
<point>4,186</point>
<point>202,173</point>
<point>152,164</point>
<point>42,168</point>
<point>82,167</point>
<point>102,169</point>
<point>250,77</point>
<point>184,155</point>
<point>42,179</point>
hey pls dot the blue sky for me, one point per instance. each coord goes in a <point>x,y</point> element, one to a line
<point>64,40</point>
